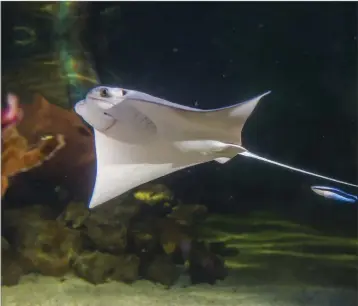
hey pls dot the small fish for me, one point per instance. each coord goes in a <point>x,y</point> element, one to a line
<point>334,194</point>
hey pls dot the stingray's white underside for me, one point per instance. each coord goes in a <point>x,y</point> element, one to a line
<point>141,138</point>
<point>122,166</point>
<point>114,180</point>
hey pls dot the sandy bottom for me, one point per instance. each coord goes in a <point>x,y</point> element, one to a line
<point>39,290</point>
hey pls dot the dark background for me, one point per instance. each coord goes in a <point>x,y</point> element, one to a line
<point>219,53</point>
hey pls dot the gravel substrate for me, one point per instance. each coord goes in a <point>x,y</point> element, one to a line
<point>71,291</point>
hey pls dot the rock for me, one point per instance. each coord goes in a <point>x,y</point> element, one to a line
<point>150,236</point>
<point>53,248</point>
<point>107,237</point>
<point>74,165</point>
<point>75,215</point>
<point>45,246</point>
<point>13,218</point>
<point>5,246</point>
<point>188,214</point>
<point>107,224</point>
<point>118,211</point>
<point>204,266</point>
<point>162,270</point>
<point>97,267</point>
<point>127,269</point>
<point>143,237</point>
<point>174,237</point>
<point>11,270</point>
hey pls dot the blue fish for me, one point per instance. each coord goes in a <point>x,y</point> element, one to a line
<point>334,194</point>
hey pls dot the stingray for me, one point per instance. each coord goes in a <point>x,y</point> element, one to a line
<point>139,138</point>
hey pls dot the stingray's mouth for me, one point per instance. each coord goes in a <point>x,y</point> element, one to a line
<point>102,103</point>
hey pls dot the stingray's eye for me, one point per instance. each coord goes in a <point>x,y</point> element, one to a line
<point>122,92</point>
<point>104,93</point>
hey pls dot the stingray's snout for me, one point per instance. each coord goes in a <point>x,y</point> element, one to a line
<point>79,106</point>
<point>94,116</point>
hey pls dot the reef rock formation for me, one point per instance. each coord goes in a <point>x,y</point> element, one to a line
<point>123,240</point>
<point>205,266</point>
<point>11,270</point>
<point>162,270</point>
<point>44,244</point>
<point>97,267</point>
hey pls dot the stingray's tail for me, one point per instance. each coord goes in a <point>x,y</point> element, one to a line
<point>252,155</point>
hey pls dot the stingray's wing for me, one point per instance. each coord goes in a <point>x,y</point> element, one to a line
<point>233,110</point>
<point>174,121</point>
<point>116,171</point>
<point>131,153</point>
<point>122,166</point>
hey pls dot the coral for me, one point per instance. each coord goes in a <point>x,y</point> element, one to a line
<point>73,167</point>
<point>18,156</point>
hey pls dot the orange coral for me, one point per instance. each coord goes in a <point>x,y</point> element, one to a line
<point>17,156</point>
<point>74,166</point>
